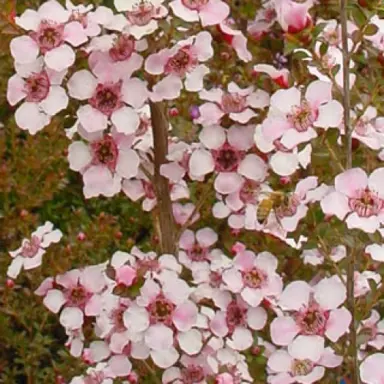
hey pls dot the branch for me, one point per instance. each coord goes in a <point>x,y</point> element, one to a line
<point>160,141</point>
<point>348,146</point>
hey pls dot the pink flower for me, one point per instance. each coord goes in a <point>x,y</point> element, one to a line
<point>78,293</point>
<point>254,277</point>
<point>114,57</point>
<point>107,99</point>
<point>372,369</point>
<point>236,321</point>
<point>195,248</point>
<point>264,20</point>
<point>235,103</point>
<point>292,119</point>
<point>104,162</point>
<point>31,252</point>
<point>225,152</point>
<point>184,213</point>
<point>304,362</point>
<point>141,187</point>
<point>51,29</point>
<point>162,314</point>
<point>181,61</point>
<point>372,330</point>
<point>142,16</point>
<point>43,96</point>
<point>292,16</point>
<point>313,311</point>
<point>210,12</point>
<point>359,198</point>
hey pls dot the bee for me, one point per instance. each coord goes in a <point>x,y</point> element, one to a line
<point>275,202</point>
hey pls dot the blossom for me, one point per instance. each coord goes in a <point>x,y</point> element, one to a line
<point>254,277</point>
<point>31,252</point>
<point>104,162</point>
<point>51,30</point>
<point>114,56</point>
<point>292,119</point>
<point>313,311</point>
<point>376,251</point>
<point>210,12</point>
<point>372,330</point>
<point>195,248</point>
<point>225,152</point>
<point>303,362</point>
<point>162,313</point>
<point>372,369</point>
<point>264,19</point>
<point>40,89</point>
<point>359,198</point>
<point>99,374</point>
<point>235,103</point>
<point>179,62</point>
<point>185,213</point>
<point>107,99</point>
<point>78,292</point>
<point>292,16</point>
<point>142,16</point>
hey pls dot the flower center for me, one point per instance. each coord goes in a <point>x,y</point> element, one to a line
<point>215,279</point>
<point>361,127</point>
<point>49,35</point>
<point>254,278</point>
<point>107,98</point>
<point>182,62</point>
<point>366,204</point>
<point>105,152</point>
<point>195,5</point>
<point>236,316</point>
<point>249,192</point>
<point>312,320</point>
<point>117,316</point>
<point>301,367</point>
<point>197,253</point>
<point>37,87</point>
<point>161,310</point>
<point>192,374</point>
<point>122,48</point>
<point>142,13</point>
<point>302,117</point>
<point>149,190</point>
<point>233,103</point>
<point>30,247</point>
<point>227,158</point>
<point>78,296</point>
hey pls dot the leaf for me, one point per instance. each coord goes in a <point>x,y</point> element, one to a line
<point>370,29</point>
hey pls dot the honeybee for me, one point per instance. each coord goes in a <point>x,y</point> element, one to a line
<point>274,201</point>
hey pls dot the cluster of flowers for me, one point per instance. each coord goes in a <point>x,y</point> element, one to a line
<point>197,329</point>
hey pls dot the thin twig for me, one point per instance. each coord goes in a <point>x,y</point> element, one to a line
<point>348,146</point>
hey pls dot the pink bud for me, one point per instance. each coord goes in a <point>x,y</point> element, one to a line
<point>81,236</point>
<point>133,378</point>
<point>125,275</point>
<point>173,112</point>
<point>10,283</point>
<point>23,213</point>
<point>285,180</point>
<point>86,356</point>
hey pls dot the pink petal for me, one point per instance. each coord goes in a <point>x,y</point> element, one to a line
<point>256,318</point>
<point>155,63</point>
<point>201,163</point>
<point>126,120</point>
<point>367,224</point>
<point>239,44</point>
<point>120,365</point>
<point>318,92</point>
<point>336,204</point>
<point>283,330</point>
<point>194,80</point>
<point>210,114</point>
<point>82,85</point>
<point>253,167</point>
<point>54,11</point>
<point>280,361</point>
<point>285,99</point>
<point>190,342</point>
<point>330,293</point>
<point>350,181</point>
<point>60,58</point>
<point>330,115</point>
<point>376,182</point>
<point>295,296</point>
<point>228,182</point>
<point>29,20</point>
<point>185,316</point>
<point>74,34</point>
<point>307,347</point>
<point>29,117</point>
<point>252,296</point>
<point>241,339</point>
<point>71,318</point>
<point>159,337</point>
<point>291,138</point>
<point>183,12</point>
<point>214,13</point>
<point>56,101</point>
<point>213,137</point>
<point>274,127</point>
<point>241,137</point>
<point>218,325</point>
<point>284,164</point>
<point>206,237</point>
<point>79,155</point>
<point>203,46</point>
<point>91,119</point>
<point>15,90</point>
<point>233,279</point>
<point>134,92</point>
<point>24,49</point>
<point>372,369</point>
<point>168,88</point>
<point>165,358</point>
<point>338,324</point>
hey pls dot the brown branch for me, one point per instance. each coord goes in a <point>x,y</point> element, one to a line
<point>166,230</point>
<point>348,146</point>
